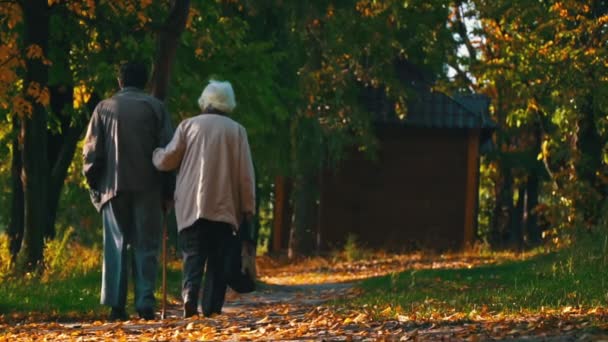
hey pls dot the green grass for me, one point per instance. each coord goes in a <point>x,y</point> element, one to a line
<point>72,297</point>
<point>574,277</point>
<point>69,287</point>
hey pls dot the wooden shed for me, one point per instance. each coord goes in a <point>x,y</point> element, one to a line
<point>422,189</point>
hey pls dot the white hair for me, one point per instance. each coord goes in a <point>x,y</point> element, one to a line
<point>218,95</point>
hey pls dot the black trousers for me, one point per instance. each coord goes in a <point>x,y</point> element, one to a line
<point>203,247</point>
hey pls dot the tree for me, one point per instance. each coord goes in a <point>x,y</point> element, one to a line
<point>168,39</point>
<point>334,51</point>
<point>540,62</point>
<point>36,20</point>
<point>60,40</point>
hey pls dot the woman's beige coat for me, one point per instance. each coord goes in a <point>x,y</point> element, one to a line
<point>215,178</point>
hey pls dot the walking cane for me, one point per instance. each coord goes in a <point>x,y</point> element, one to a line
<point>163,312</point>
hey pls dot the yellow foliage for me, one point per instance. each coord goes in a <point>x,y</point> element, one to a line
<point>13,14</point>
<point>64,257</point>
<point>145,3</point>
<point>34,51</point>
<point>81,95</point>
<point>38,93</point>
<point>21,106</point>
<point>143,18</point>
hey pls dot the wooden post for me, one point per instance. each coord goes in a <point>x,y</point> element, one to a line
<point>163,311</point>
<point>472,188</point>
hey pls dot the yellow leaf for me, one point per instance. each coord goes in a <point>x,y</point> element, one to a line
<point>386,312</point>
<point>263,320</point>
<point>33,51</point>
<point>360,318</point>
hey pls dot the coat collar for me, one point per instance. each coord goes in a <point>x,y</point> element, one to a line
<point>130,89</point>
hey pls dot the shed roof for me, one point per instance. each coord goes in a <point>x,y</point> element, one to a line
<point>433,109</point>
<point>437,110</point>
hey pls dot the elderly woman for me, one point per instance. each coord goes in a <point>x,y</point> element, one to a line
<point>214,192</point>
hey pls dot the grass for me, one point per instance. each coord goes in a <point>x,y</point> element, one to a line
<point>67,298</point>
<point>575,277</point>
<point>69,288</point>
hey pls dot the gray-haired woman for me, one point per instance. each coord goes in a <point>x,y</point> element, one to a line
<point>215,191</point>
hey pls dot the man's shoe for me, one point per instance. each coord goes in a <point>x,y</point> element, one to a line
<point>147,314</point>
<point>118,314</point>
<point>190,309</point>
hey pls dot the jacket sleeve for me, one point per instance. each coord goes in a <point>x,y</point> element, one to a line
<point>170,157</point>
<point>93,152</point>
<point>246,175</point>
<point>166,132</point>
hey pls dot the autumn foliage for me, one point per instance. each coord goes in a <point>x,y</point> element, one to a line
<point>300,69</point>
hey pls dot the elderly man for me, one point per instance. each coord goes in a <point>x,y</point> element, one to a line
<point>214,193</point>
<point>127,189</point>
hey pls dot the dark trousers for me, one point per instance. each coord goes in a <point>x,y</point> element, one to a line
<point>205,243</point>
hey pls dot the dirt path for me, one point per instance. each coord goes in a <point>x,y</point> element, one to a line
<point>286,308</point>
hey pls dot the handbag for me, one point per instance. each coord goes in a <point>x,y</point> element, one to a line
<point>240,265</point>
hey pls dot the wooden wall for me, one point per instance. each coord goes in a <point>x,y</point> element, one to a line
<point>417,194</point>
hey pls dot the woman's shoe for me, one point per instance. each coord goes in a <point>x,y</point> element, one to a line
<point>118,314</point>
<point>190,309</point>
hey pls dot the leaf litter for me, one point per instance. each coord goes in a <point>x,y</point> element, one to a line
<point>294,302</point>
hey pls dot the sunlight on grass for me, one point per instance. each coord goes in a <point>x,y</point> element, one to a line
<point>68,287</point>
<point>571,279</point>
<point>69,284</point>
<point>342,267</point>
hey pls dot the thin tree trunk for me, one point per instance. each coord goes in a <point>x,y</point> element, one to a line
<point>282,215</point>
<point>532,228</point>
<point>302,237</point>
<point>589,144</point>
<point>503,210</point>
<point>34,132</point>
<point>64,146</point>
<point>15,227</point>
<point>168,40</point>
<point>61,97</point>
<point>517,220</point>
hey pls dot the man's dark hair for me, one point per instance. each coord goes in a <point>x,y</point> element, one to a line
<point>133,74</point>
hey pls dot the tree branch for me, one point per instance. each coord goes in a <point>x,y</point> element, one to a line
<point>461,29</point>
<point>460,73</point>
<point>8,60</point>
<point>167,44</point>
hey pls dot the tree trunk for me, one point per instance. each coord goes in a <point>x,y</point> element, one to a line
<point>34,133</point>
<point>517,220</point>
<point>62,146</point>
<point>302,235</point>
<point>168,39</point>
<point>15,227</point>
<point>589,145</point>
<point>532,228</point>
<point>61,97</point>
<point>503,209</point>
<point>281,217</point>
